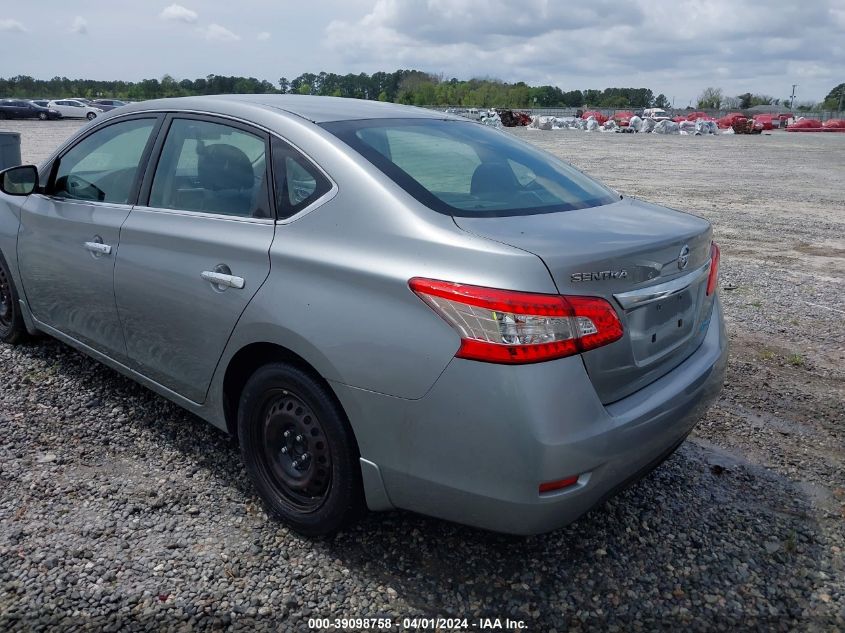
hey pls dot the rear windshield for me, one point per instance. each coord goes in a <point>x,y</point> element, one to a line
<point>467,169</point>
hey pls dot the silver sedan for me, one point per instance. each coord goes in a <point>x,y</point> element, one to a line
<point>389,307</point>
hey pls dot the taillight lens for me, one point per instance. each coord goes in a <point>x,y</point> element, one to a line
<point>504,326</point>
<point>713,278</point>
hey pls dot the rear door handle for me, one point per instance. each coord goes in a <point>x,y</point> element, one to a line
<point>222,280</point>
<point>98,248</point>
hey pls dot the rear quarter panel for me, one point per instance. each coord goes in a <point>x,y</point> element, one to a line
<point>338,293</point>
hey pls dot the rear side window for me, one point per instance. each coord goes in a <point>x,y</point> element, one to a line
<point>103,166</point>
<point>212,168</point>
<point>298,182</point>
<point>466,169</point>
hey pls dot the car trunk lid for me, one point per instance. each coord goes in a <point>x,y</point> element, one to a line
<point>650,262</point>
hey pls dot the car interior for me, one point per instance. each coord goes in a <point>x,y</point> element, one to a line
<point>203,169</point>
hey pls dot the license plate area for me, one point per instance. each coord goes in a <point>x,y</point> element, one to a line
<point>660,327</point>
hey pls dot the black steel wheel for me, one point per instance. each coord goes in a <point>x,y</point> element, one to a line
<point>12,329</point>
<point>296,451</point>
<point>299,450</point>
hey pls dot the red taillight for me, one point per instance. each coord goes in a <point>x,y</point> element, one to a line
<point>551,486</point>
<point>505,326</point>
<point>713,278</point>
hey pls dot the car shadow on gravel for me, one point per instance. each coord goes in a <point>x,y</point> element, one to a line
<point>704,542</point>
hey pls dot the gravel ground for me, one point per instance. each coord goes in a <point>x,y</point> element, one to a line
<point>119,511</point>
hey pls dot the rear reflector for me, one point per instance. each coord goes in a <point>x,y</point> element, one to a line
<point>713,278</point>
<point>551,486</point>
<point>505,326</point>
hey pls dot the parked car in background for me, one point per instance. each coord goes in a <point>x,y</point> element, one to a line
<point>20,109</point>
<point>44,103</point>
<point>658,114</point>
<point>75,109</point>
<point>387,305</point>
<point>106,105</point>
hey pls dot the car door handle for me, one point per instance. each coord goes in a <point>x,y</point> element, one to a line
<point>222,280</point>
<point>98,248</point>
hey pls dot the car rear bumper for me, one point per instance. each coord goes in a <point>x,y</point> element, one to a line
<point>476,447</point>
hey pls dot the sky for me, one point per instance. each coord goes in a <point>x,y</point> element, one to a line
<point>674,47</point>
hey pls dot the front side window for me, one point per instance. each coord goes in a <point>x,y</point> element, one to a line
<point>103,166</point>
<point>212,168</point>
<point>466,169</point>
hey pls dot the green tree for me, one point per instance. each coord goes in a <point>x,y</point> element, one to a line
<point>835,99</point>
<point>304,89</point>
<point>661,101</point>
<point>169,87</point>
<point>546,96</point>
<point>592,97</point>
<point>748,100</point>
<point>710,98</point>
<point>572,99</point>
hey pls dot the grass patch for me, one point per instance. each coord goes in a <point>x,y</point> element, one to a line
<point>766,354</point>
<point>796,360</point>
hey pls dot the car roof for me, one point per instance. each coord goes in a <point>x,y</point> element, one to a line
<point>313,108</point>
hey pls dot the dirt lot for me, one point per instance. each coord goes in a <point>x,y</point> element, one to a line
<point>117,507</point>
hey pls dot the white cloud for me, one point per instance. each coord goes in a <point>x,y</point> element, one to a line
<point>263,36</point>
<point>79,25</point>
<point>677,49</point>
<point>218,33</point>
<point>12,26</point>
<point>178,13</point>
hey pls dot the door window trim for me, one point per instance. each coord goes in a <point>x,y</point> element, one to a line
<point>53,165</point>
<point>143,199</point>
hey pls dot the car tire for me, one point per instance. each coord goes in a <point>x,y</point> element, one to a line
<point>12,328</point>
<point>91,116</point>
<point>42,116</point>
<point>299,450</point>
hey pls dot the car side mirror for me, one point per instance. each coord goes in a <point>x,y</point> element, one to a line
<point>19,181</point>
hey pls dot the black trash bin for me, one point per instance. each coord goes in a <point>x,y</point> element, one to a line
<point>10,149</point>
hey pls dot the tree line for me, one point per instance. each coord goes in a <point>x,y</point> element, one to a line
<point>715,99</point>
<point>411,87</point>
